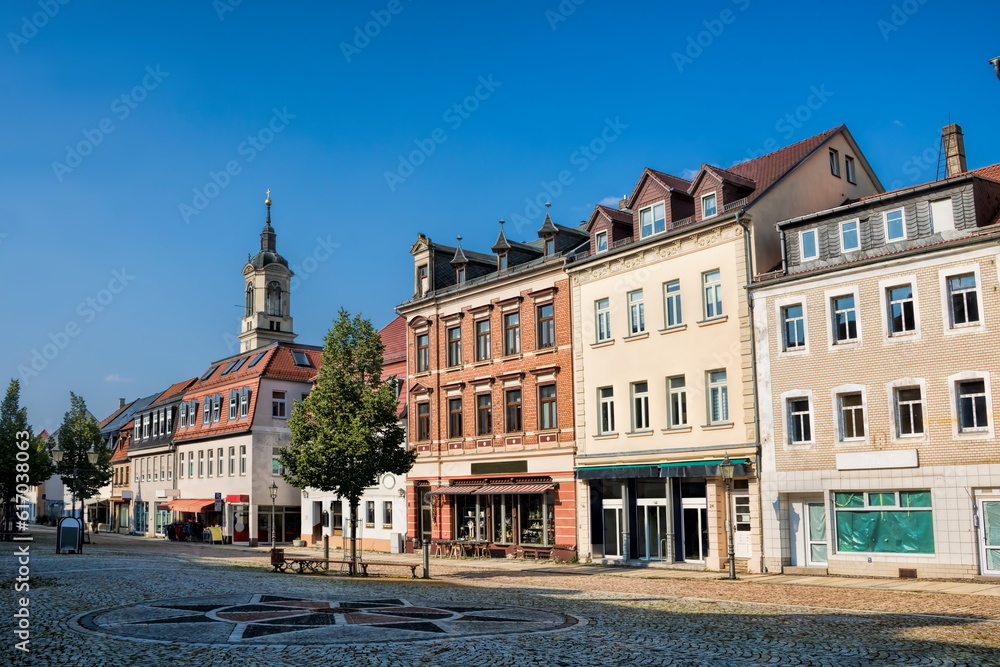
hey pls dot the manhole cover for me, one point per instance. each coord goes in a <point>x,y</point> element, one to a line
<point>277,619</point>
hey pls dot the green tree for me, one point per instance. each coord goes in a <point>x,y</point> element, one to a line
<point>78,436</point>
<point>346,434</point>
<point>24,459</point>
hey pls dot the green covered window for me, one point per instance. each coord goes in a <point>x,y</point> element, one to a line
<point>884,522</point>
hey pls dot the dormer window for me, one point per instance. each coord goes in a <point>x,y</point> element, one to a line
<point>652,220</point>
<point>421,280</point>
<point>709,206</point>
<point>550,246</point>
<point>460,275</point>
<point>601,241</point>
<point>502,261</point>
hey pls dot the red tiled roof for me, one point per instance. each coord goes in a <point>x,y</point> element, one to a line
<point>393,337</point>
<point>107,420</point>
<point>669,180</point>
<point>277,362</point>
<point>174,390</point>
<point>765,170</point>
<point>121,447</point>
<point>726,175</point>
<point>992,171</point>
<point>615,215</point>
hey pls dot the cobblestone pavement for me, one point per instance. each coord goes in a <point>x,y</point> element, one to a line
<point>97,609</point>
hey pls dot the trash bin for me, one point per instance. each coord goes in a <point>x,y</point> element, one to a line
<point>277,557</point>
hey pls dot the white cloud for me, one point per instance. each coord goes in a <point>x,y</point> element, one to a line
<point>688,174</point>
<point>610,201</point>
<point>899,122</point>
<point>114,377</point>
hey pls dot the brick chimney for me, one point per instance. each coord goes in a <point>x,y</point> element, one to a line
<point>623,204</point>
<point>121,402</point>
<point>954,149</point>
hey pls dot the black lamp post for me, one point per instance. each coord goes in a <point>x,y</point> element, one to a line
<point>57,454</point>
<point>726,469</point>
<point>273,489</point>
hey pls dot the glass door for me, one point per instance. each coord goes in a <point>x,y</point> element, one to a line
<point>695,533</point>
<point>816,548</point>
<point>989,512</point>
<point>652,537</point>
<point>612,531</point>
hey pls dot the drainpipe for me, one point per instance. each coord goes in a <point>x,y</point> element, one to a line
<point>753,368</point>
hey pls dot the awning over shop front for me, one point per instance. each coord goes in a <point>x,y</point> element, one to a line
<point>699,468</point>
<point>454,490</point>
<point>514,488</point>
<point>188,505</point>
<point>117,499</point>
<point>617,472</point>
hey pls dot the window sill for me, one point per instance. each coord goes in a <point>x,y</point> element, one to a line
<point>712,320</point>
<point>511,357</point>
<point>676,327</point>
<point>678,429</point>
<point>846,344</point>
<point>605,436</point>
<point>638,434</point>
<point>545,350</point>
<point>717,427</point>
<point>420,374</point>
<point>638,336</point>
<point>484,362</point>
<point>603,343</point>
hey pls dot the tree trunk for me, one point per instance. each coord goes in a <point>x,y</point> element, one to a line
<point>353,566</point>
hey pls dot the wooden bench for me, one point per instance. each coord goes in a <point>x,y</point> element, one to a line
<point>378,563</point>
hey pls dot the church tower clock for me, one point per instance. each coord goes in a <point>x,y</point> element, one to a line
<point>267,287</point>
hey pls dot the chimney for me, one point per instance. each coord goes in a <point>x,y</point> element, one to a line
<point>623,203</point>
<point>954,149</point>
<point>121,402</point>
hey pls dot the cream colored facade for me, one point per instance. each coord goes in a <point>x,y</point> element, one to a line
<point>859,484</point>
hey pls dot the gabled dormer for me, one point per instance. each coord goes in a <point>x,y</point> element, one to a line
<point>607,226</point>
<point>501,248</point>
<point>547,233</point>
<point>460,263</point>
<point>714,188</point>
<point>657,201</point>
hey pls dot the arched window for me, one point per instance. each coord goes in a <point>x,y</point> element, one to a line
<point>249,309</point>
<point>274,305</point>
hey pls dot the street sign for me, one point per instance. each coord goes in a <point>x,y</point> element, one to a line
<point>218,496</point>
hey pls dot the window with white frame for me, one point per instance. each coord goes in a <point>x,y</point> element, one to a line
<point>602,319</point>
<point>793,323</point>
<point>454,346</point>
<point>182,419</point>
<point>845,319</point>
<point>193,413</point>
<point>244,402</point>
<point>145,427</point>
<point>709,206</point>
<point>712,282</point>
<point>190,465</point>
<point>677,410</point>
<point>884,521</point>
<point>850,236</point>
<point>636,313</point>
<point>963,300</point>
<point>170,420</point>
<point>909,404</point>
<point>601,241</point>
<point>640,406</point>
<point>672,315</point>
<point>243,459</point>
<point>483,349</point>
<point>808,244</point>
<point>652,220</point>
<point>232,461</point>
<point>851,415</point>
<point>201,463</point>
<point>895,225</point>
<point>180,465</point>
<point>902,314</point>
<point>834,162</point>
<point>278,404</point>
<point>277,470</point>
<point>849,169</point>
<point>211,462</point>
<point>206,410</point>
<point>170,468</point>
<point>156,423</point>
<point>799,420</point>
<point>234,404</point>
<point>606,410</point>
<point>972,407</point>
<point>942,215</point>
<point>216,408</point>
<point>718,397</point>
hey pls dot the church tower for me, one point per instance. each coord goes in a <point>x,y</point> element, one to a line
<point>267,287</point>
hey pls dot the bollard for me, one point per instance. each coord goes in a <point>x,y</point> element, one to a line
<point>427,557</point>
<point>326,551</point>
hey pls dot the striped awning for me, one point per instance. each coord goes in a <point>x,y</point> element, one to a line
<point>514,488</point>
<point>454,490</point>
<point>188,505</point>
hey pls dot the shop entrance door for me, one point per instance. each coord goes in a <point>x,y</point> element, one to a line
<point>989,513</point>
<point>241,524</point>
<point>816,549</point>
<point>612,530</point>
<point>652,537</point>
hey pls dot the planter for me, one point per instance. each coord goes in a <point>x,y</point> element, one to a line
<point>298,543</point>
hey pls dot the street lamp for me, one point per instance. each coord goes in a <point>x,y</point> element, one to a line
<point>726,469</point>
<point>58,453</point>
<point>273,489</point>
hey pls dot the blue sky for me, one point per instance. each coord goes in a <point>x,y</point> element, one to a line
<point>140,141</point>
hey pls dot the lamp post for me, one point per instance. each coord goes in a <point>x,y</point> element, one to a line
<point>273,489</point>
<point>726,469</point>
<point>58,453</point>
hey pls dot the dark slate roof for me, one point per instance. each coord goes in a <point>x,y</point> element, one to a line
<point>548,227</point>
<point>125,416</point>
